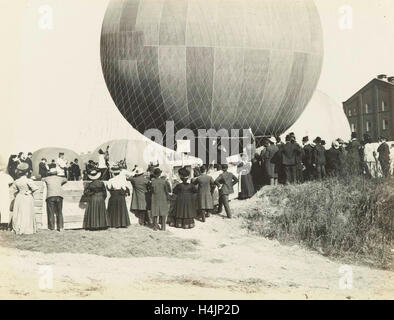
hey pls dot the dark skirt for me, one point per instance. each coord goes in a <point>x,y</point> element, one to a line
<point>117,210</point>
<point>183,211</point>
<point>96,216</point>
<point>247,188</point>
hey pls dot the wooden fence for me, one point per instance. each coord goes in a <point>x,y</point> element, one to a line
<point>74,204</point>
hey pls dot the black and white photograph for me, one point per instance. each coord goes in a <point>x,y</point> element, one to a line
<point>197,150</point>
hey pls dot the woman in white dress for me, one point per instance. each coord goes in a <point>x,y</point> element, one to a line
<point>23,218</point>
<point>5,199</point>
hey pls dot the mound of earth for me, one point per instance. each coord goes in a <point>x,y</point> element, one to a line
<point>134,241</point>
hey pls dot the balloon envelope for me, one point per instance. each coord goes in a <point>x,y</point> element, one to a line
<point>205,64</point>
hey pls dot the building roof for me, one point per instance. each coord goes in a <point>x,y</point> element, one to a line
<point>373,81</point>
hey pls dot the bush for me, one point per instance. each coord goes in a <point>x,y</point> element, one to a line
<point>350,217</point>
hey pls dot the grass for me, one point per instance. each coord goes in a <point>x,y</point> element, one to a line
<point>350,217</point>
<point>134,241</point>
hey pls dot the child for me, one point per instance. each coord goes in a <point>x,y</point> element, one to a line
<point>160,206</point>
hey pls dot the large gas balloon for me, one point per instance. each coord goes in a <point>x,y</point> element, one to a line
<point>232,64</point>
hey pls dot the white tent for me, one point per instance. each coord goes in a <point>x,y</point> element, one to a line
<point>323,117</point>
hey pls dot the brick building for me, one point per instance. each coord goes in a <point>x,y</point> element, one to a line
<point>371,109</point>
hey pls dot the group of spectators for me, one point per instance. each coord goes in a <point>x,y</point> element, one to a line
<point>16,159</point>
<point>70,170</point>
<point>158,199</point>
<point>291,162</point>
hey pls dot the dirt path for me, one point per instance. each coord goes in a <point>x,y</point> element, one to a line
<point>228,264</point>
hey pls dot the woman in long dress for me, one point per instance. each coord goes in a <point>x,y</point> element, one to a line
<point>186,206</point>
<point>5,182</point>
<point>269,161</point>
<point>117,209</point>
<point>246,181</point>
<point>96,216</point>
<point>23,218</point>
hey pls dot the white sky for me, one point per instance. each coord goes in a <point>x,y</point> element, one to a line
<point>54,92</point>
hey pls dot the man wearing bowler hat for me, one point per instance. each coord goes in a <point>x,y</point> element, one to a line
<point>319,159</point>
<point>225,183</point>
<point>290,151</point>
<point>307,158</point>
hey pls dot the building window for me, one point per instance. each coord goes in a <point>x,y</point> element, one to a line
<point>368,126</point>
<point>366,108</point>
<point>354,111</point>
<point>383,106</point>
<point>385,124</point>
<point>350,112</point>
<point>353,127</point>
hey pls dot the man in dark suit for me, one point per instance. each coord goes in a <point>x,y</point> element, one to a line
<point>76,170</point>
<point>43,168</point>
<point>384,156</point>
<point>319,159</point>
<point>307,158</point>
<point>278,161</point>
<point>29,163</point>
<point>333,159</point>
<point>299,155</point>
<point>354,155</point>
<point>52,164</point>
<point>290,151</point>
<point>54,199</point>
<point>225,183</point>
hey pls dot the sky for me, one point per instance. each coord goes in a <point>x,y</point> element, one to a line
<point>54,91</point>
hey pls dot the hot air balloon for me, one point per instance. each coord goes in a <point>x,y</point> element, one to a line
<point>234,64</point>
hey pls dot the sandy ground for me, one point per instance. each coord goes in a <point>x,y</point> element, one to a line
<point>229,263</point>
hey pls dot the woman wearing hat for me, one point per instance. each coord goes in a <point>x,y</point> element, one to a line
<point>185,209</point>
<point>138,201</point>
<point>161,191</point>
<point>5,182</point>
<point>23,219</point>
<point>96,217</point>
<point>243,169</point>
<point>117,209</point>
<point>269,160</point>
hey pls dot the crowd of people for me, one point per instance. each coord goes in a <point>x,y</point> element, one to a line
<point>158,200</point>
<point>291,162</point>
<point>69,170</point>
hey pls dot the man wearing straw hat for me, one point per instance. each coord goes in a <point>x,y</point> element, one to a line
<point>54,199</point>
